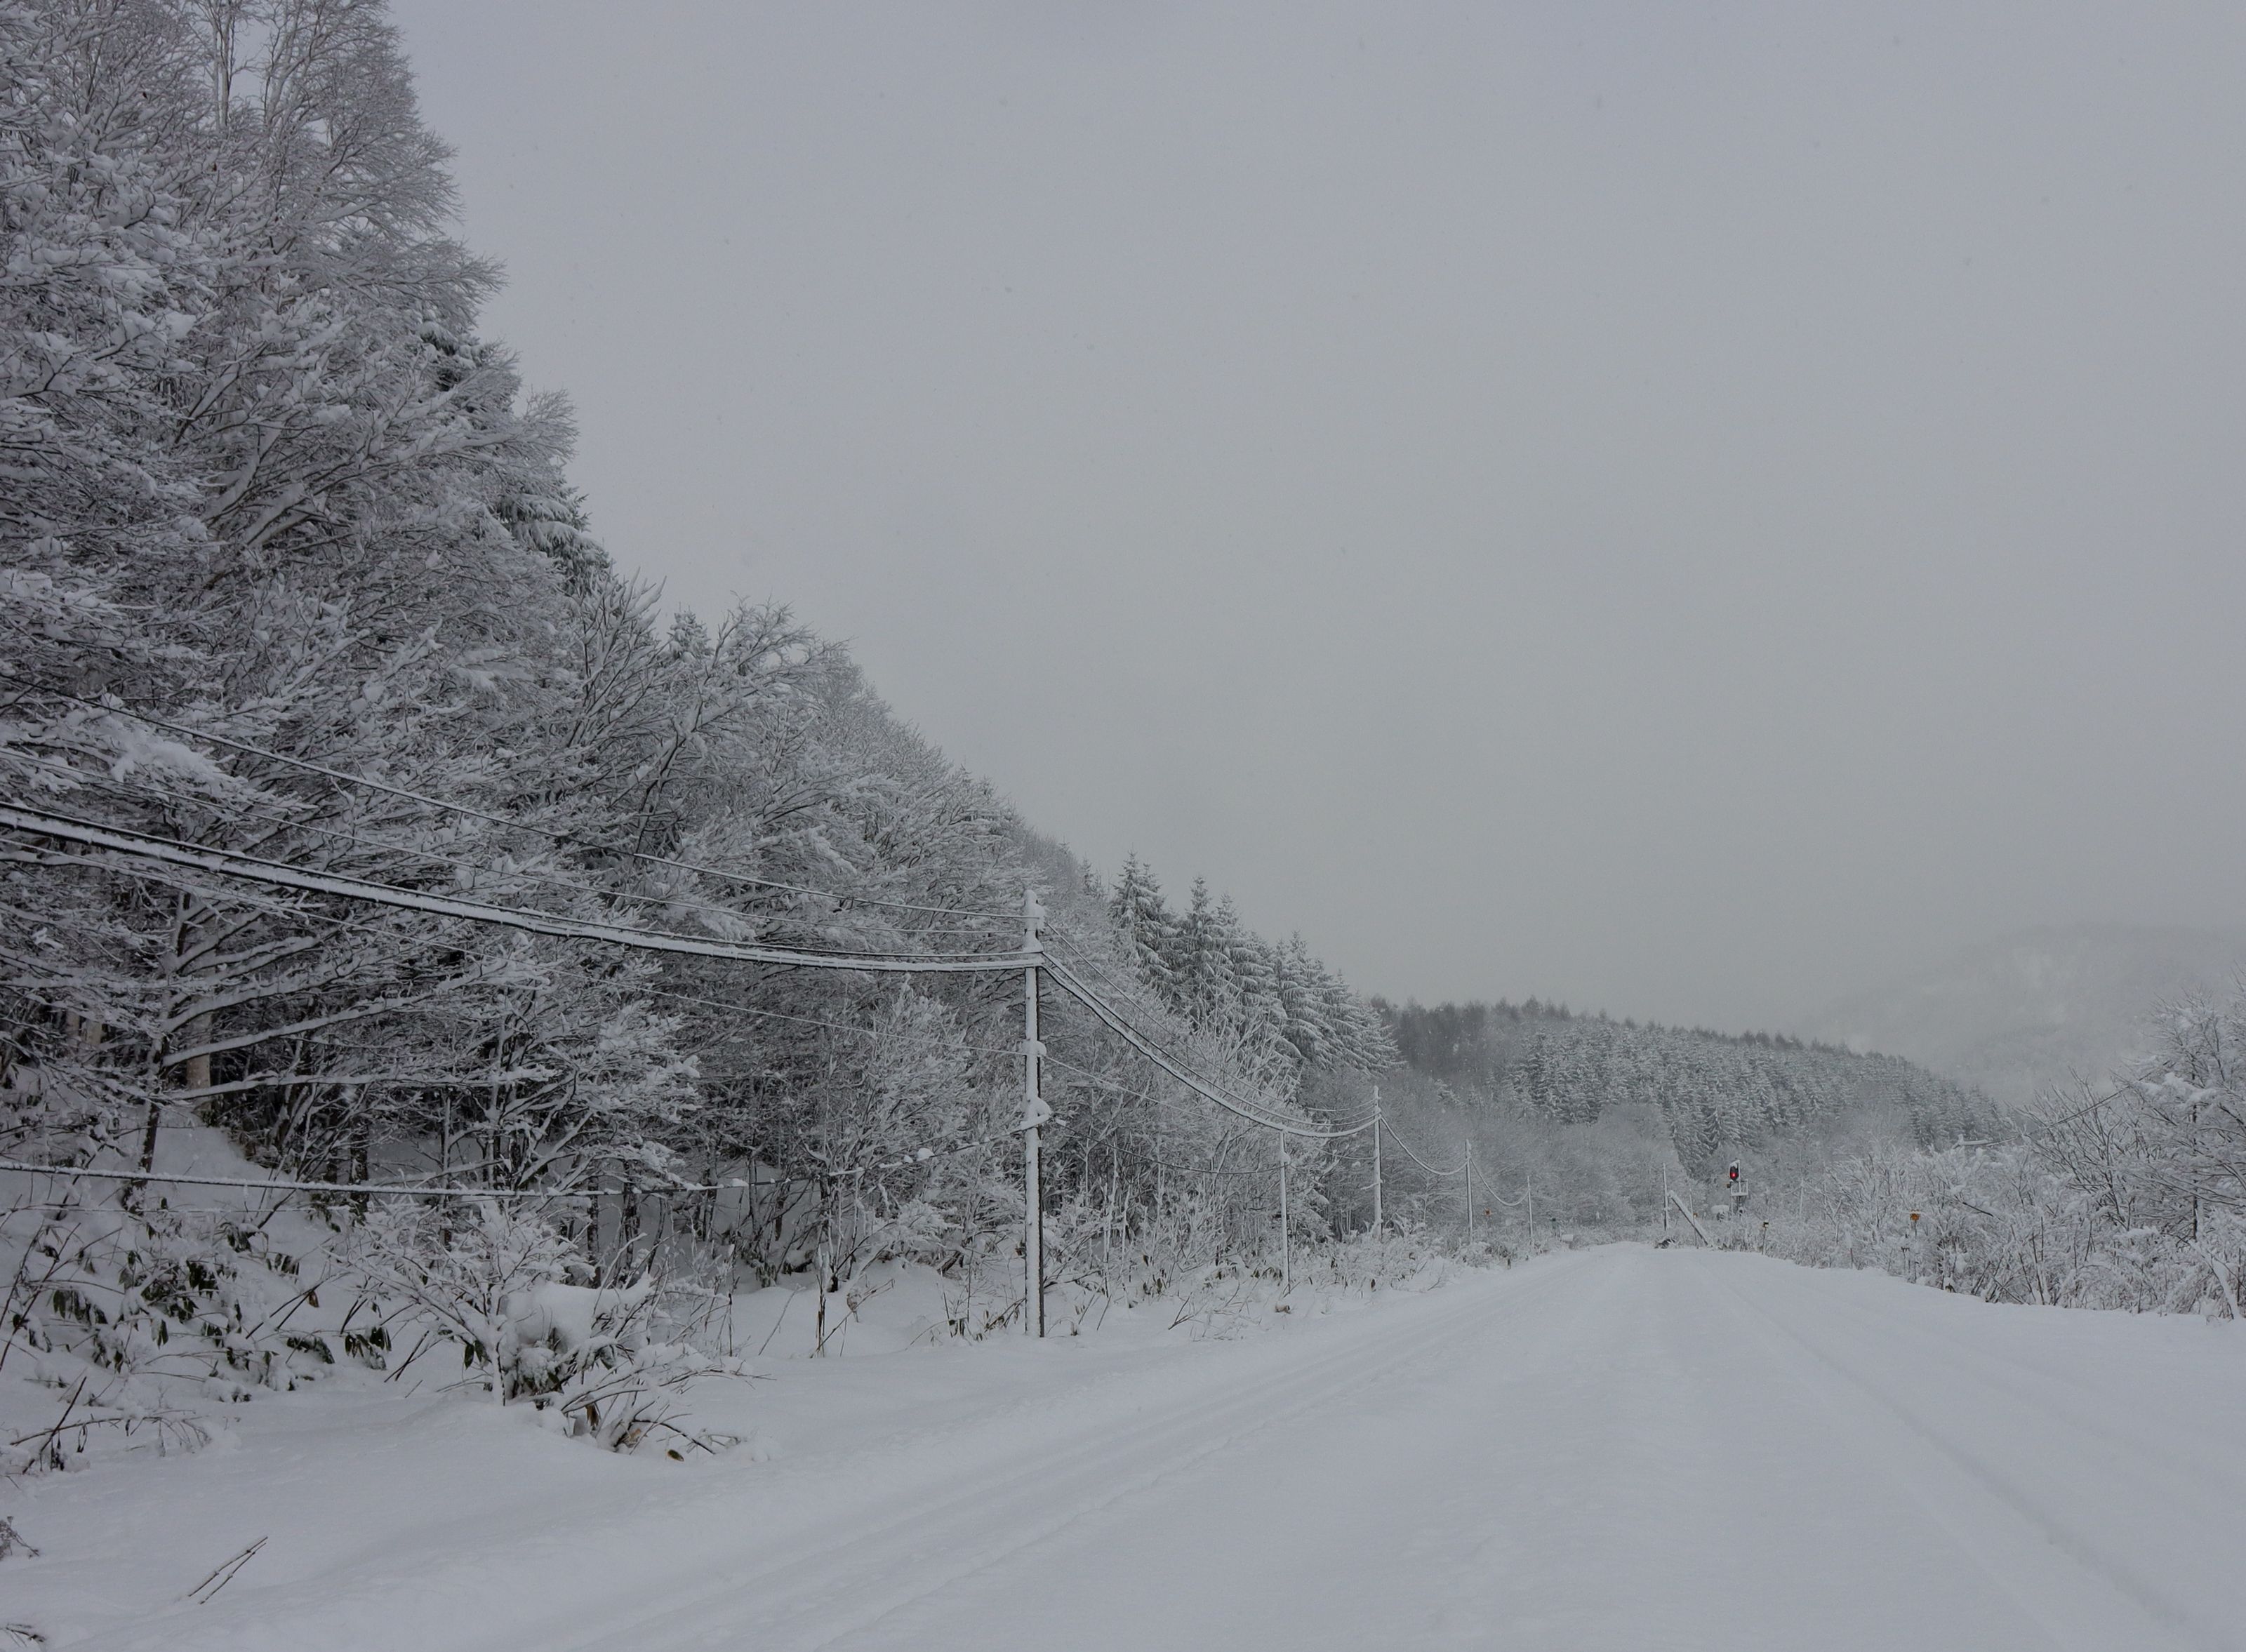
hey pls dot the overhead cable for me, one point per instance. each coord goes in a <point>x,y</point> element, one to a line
<point>231,863</point>
<point>1391,1134</point>
<point>366,840</point>
<point>438,1190</point>
<point>1067,980</point>
<point>567,838</point>
<point>1083,1075</point>
<point>417,1190</point>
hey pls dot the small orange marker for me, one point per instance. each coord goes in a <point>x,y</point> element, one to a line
<point>1913,1215</point>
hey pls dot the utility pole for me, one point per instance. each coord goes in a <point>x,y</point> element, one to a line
<point>1034,1113</point>
<point>1470,1205</point>
<point>1286,1230</point>
<point>1376,1162</point>
<point>2195,1168</point>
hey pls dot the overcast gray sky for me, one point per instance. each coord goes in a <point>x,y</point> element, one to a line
<point>1690,509</point>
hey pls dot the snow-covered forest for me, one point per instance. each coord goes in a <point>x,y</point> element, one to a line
<point>538,1112</point>
<point>1604,1114</point>
<point>294,577</point>
<point>2125,1191</point>
<point>1718,1093</point>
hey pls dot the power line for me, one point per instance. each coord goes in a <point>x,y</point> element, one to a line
<point>231,863</point>
<point>1077,956</point>
<point>1392,1134</point>
<point>353,838</point>
<point>256,869</point>
<point>433,1190</point>
<point>251,868</point>
<point>566,839</point>
<point>2106,1100</point>
<point>397,1189</point>
<point>1085,1075</point>
<point>1065,979</point>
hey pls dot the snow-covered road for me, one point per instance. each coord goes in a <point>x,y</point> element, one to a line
<point>1616,1448</point>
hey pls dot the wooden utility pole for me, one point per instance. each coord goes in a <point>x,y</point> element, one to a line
<point>1376,1162</point>
<point>1286,1229</point>
<point>1470,1214</point>
<point>1034,1114</point>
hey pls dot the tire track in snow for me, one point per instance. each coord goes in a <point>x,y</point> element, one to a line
<point>1455,1330</point>
<point>1616,1451</point>
<point>736,1553</point>
<point>998,1517</point>
<point>2084,1411</point>
<point>2042,1598</point>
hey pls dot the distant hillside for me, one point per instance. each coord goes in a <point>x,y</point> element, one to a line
<point>2015,1015</point>
<point>1716,1093</point>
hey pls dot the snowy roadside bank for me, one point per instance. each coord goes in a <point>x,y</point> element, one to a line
<point>366,1492</point>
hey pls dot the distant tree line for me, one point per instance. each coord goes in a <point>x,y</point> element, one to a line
<point>1718,1093</point>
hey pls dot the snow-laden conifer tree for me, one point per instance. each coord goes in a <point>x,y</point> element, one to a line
<point>1147,926</point>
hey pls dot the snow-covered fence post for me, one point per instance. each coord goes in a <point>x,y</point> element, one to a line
<point>1034,1113</point>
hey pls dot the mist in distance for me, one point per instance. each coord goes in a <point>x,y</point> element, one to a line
<point>1689,511</point>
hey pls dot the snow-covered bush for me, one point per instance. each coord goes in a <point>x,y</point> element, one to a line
<point>1991,1222</point>
<point>1368,1263</point>
<point>2006,1224</point>
<point>129,1319</point>
<point>534,1323</point>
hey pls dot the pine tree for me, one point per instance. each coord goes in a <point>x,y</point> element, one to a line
<point>1202,963</point>
<point>1302,1001</point>
<point>1255,969</point>
<point>1149,930</point>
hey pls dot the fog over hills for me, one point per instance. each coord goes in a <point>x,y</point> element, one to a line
<point>2023,1012</point>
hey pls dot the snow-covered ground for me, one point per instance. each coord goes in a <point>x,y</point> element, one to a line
<point>1617,1448</point>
